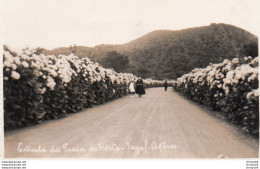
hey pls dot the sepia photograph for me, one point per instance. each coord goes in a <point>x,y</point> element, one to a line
<point>130,79</point>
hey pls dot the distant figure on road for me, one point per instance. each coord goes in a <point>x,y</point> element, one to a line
<point>165,85</point>
<point>139,87</point>
<point>132,88</point>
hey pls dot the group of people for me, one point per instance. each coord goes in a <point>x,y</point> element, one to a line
<point>138,88</point>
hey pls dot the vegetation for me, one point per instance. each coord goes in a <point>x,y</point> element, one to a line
<point>42,87</point>
<point>230,87</point>
<point>170,54</point>
<point>116,61</point>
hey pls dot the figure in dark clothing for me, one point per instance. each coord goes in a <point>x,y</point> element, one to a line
<point>139,87</point>
<point>165,85</point>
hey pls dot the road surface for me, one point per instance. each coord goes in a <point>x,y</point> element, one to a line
<point>158,125</point>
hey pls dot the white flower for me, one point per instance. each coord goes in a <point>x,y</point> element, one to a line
<point>51,83</point>
<point>7,55</point>
<point>253,93</point>
<point>256,92</point>
<point>17,60</point>
<point>14,67</point>
<point>53,73</point>
<point>25,57</point>
<point>15,75</point>
<point>7,64</point>
<point>235,60</point>
<point>43,90</point>
<point>65,68</point>
<point>25,64</point>
<point>220,85</point>
<point>5,78</point>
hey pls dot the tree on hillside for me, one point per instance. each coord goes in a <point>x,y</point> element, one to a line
<point>170,54</point>
<point>251,49</point>
<point>116,61</point>
<point>38,50</point>
<point>143,72</point>
<point>73,48</point>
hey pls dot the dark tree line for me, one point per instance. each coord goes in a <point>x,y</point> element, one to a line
<point>115,60</point>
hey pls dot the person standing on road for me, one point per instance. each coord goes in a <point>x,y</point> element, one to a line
<point>165,85</point>
<point>132,88</point>
<point>139,87</point>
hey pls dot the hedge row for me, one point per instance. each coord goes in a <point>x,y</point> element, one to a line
<point>230,87</point>
<point>39,87</point>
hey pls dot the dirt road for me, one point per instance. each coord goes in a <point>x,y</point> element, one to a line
<point>158,125</point>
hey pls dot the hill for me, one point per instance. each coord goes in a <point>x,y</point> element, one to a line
<point>170,54</point>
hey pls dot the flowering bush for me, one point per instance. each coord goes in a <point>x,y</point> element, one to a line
<point>230,87</point>
<point>42,87</point>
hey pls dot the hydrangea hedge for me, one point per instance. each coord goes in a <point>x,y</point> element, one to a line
<point>230,87</point>
<point>43,87</point>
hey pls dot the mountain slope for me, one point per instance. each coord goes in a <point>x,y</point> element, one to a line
<point>170,54</point>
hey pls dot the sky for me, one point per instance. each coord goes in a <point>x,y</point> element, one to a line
<point>58,23</point>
